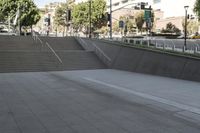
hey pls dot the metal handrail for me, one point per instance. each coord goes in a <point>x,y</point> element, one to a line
<point>36,38</point>
<point>97,51</point>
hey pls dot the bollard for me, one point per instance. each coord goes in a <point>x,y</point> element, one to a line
<point>183,49</point>
<point>195,50</point>
<point>173,48</point>
<point>164,46</point>
<point>148,43</point>
<point>156,45</point>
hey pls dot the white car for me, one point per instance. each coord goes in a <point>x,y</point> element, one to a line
<point>181,37</point>
<point>4,30</point>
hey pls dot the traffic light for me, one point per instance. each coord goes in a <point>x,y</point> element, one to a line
<point>68,14</point>
<point>49,20</point>
<point>108,16</point>
<point>142,5</point>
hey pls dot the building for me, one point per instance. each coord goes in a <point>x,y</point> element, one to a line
<point>165,10</point>
<point>47,12</point>
<point>173,8</point>
<point>173,11</point>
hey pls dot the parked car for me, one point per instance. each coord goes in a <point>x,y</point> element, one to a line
<point>4,30</point>
<point>181,37</point>
<point>195,36</point>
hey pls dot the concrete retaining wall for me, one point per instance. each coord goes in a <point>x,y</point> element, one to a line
<point>149,62</point>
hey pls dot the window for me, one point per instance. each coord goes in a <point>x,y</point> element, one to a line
<point>124,1</point>
<point>116,4</point>
<point>156,1</point>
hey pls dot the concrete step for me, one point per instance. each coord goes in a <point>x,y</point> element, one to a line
<point>62,43</point>
<point>47,61</point>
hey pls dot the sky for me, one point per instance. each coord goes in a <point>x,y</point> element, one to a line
<point>175,7</point>
<point>42,3</point>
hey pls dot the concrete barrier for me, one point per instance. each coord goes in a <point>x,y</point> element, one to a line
<point>150,62</point>
<point>191,70</point>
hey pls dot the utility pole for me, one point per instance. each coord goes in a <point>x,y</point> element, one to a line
<point>90,14</point>
<point>19,25</point>
<point>185,38</point>
<point>9,24</point>
<point>110,19</point>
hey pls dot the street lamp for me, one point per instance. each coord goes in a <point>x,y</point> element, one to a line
<point>186,8</point>
<point>110,19</point>
<point>90,15</point>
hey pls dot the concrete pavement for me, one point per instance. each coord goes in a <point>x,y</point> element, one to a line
<point>97,101</point>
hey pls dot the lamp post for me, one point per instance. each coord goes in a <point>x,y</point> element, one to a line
<point>90,15</point>
<point>110,19</point>
<point>185,41</point>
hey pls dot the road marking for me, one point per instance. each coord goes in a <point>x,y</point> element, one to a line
<point>147,96</point>
<point>54,52</point>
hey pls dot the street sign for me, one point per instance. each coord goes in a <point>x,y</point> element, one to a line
<point>147,14</point>
<point>121,24</point>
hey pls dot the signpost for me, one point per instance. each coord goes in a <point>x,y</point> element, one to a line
<point>148,20</point>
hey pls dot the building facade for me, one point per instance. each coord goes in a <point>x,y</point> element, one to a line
<point>47,12</point>
<point>165,10</point>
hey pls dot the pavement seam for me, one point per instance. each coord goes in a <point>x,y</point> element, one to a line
<point>148,96</point>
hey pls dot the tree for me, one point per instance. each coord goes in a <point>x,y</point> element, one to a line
<point>80,14</point>
<point>60,16</point>
<point>29,13</point>
<point>99,17</point>
<point>197,8</point>
<point>1,16</point>
<point>192,26</point>
<point>139,20</point>
<point>115,26</point>
<point>183,24</point>
<point>171,28</point>
<point>129,24</point>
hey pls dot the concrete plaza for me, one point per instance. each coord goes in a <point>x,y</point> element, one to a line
<point>97,101</point>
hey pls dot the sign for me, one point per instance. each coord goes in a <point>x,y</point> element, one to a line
<point>147,14</point>
<point>121,24</point>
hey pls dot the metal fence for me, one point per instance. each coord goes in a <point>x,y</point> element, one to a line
<point>177,45</point>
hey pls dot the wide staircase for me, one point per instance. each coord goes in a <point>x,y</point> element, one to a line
<point>23,54</point>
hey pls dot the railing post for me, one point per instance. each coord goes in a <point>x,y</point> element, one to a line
<point>156,45</point>
<point>164,46</point>
<point>195,50</point>
<point>183,49</point>
<point>173,48</point>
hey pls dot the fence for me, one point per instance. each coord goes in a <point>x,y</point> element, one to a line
<point>193,46</point>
